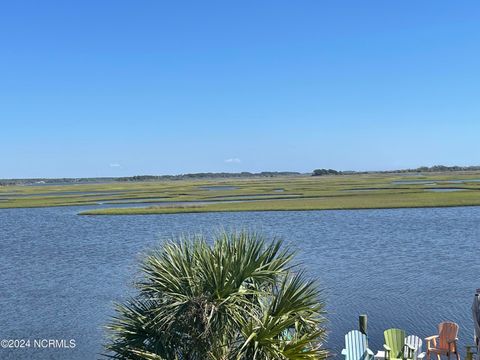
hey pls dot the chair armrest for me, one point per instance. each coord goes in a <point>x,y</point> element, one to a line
<point>430,339</point>
<point>452,341</point>
<point>380,355</point>
<point>370,352</point>
<point>388,350</point>
<point>411,347</point>
<point>421,356</point>
<point>344,352</point>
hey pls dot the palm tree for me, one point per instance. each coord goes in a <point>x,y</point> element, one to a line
<point>238,299</point>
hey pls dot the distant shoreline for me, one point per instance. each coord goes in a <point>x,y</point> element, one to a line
<point>227,175</point>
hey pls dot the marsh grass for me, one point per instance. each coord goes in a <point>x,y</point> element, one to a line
<point>299,193</point>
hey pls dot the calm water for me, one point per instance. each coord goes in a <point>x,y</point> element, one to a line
<point>218,187</point>
<point>446,190</point>
<point>407,268</point>
<point>413,182</point>
<point>433,182</point>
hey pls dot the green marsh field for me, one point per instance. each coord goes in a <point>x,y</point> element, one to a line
<point>356,191</point>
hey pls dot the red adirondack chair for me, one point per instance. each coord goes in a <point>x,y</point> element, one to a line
<point>445,343</point>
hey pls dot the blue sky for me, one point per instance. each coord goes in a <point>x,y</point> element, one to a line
<point>114,88</point>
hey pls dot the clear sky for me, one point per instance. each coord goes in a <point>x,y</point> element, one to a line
<point>114,88</point>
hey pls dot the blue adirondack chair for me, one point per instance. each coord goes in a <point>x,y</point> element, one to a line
<point>356,346</point>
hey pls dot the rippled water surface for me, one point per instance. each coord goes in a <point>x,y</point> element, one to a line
<point>407,268</point>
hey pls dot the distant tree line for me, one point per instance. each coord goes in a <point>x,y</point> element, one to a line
<point>321,172</point>
<point>422,169</point>
<point>440,168</point>
<point>207,175</point>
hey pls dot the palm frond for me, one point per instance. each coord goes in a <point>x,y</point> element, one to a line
<point>237,299</point>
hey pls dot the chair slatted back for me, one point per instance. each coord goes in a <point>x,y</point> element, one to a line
<point>416,342</point>
<point>395,340</point>
<point>447,331</point>
<point>355,345</point>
